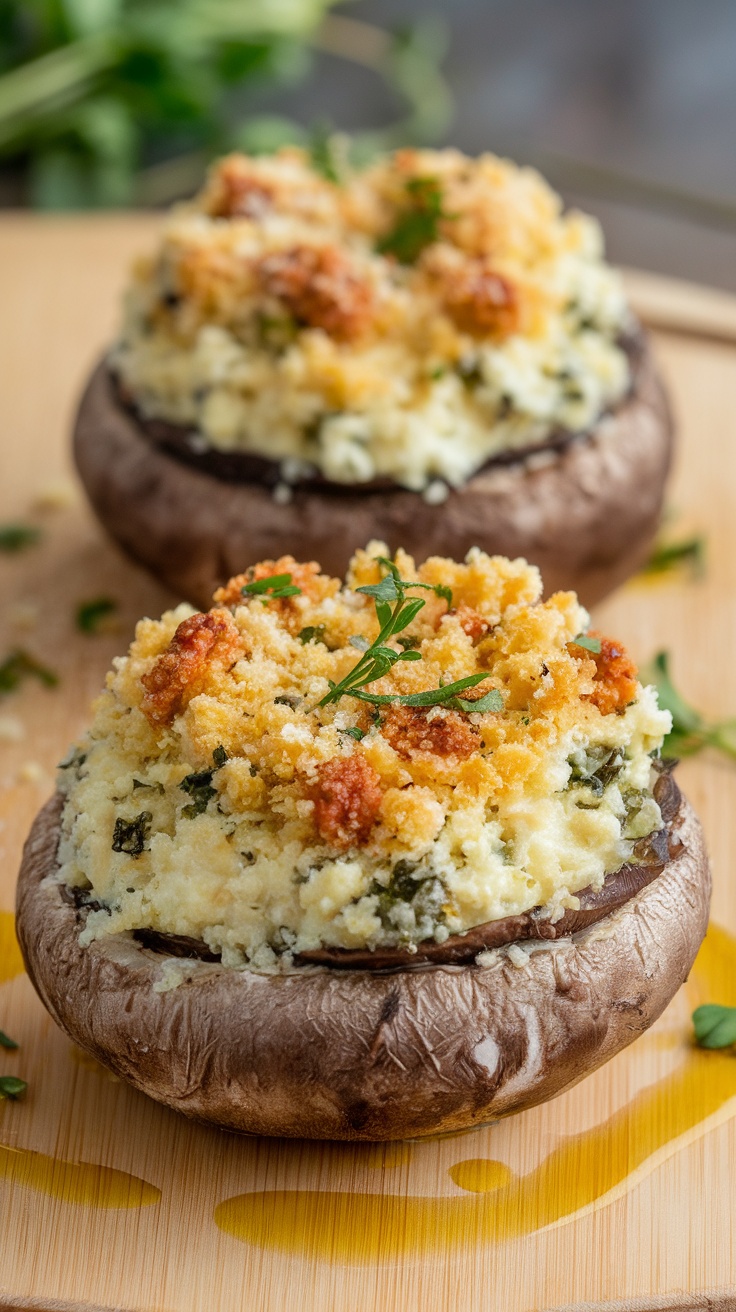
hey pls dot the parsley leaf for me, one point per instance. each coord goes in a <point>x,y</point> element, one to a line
<point>6,1041</point>
<point>690,731</point>
<point>418,225</point>
<point>90,614</point>
<point>715,1026</point>
<point>19,665</point>
<point>354,732</point>
<point>130,836</point>
<point>268,589</point>
<point>198,785</point>
<point>16,537</point>
<point>312,633</point>
<point>670,556</point>
<point>590,644</point>
<point>11,1087</point>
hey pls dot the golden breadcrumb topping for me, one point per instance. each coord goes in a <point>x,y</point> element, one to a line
<point>239,784</point>
<point>406,322</point>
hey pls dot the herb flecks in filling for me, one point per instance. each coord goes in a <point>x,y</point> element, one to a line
<point>310,780</point>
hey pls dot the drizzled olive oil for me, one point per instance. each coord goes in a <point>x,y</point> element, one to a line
<point>496,1205</point>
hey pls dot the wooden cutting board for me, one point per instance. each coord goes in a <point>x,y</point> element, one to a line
<point>620,1194</point>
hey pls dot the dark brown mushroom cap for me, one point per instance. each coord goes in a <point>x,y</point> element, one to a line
<point>365,1055</point>
<point>585,511</point>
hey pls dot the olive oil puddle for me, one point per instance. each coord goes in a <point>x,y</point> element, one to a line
<point>584,1168</point>
<point>11,961</point>
<point>75,1182</point>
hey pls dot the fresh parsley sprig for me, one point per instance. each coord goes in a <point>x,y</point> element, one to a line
<point>715,1025</point>
<point>690,731</point>
<point>395,612</point>
<point>271,588</point>
<point>418,225</point>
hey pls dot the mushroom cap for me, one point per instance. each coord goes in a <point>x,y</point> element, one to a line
<point>364,1055</point>
<point>585,511</point>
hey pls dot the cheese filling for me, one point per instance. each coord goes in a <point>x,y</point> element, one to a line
<point>407,322</point>
<point>218,794</point>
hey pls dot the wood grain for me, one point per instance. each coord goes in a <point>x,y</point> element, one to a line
<point>651,1229</point>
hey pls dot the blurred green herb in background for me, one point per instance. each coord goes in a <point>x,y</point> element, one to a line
<point>691,731</point>
<point>119,102</point>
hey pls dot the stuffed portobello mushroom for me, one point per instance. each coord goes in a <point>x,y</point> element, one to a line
<point>365,861</point>
<point>428,351</point>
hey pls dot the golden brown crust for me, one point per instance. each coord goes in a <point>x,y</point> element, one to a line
<point>586,514</point>
<point>481,301</point>
<point>411,730</point>
<point>347,800</point>
<point>198,642</point>
<point>321,288</point>
<point>366,1056</point>
<point>615,676</point>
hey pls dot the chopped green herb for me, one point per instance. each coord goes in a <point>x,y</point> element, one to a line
<point>312,633</point>
<point>408,644</point>
<point>668,556</point>
<point>590,644</point>
<point>715,1026</point>
<point>7,1042</point>
<point>19,665</point>
<point>130,836</point>
<point>16,537</point>
<point>11,1087</point>
<point>276,585</point>
<point>354,732</point>
<point>198,785</point>
<point>90,614</point>
<point>690,732</point>
<point>418,225</point>
<point>73,759</point>
<point>141,783</point>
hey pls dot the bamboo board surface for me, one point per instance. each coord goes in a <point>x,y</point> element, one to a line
<point>620,1194</point>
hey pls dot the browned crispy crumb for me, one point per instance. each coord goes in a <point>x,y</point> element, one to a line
<point>321,288</point>
<point>482,301</point>
<point>303,576</point>
<point>236,193</point>
<point>411,729</point>
<point>347,801</point>
<point>615,677</point>
<point>198,641</point>
<point>471,623</point>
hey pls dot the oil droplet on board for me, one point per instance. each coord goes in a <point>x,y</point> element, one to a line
<point>75,1182</point>
<point>480,1175</point>
<point>336,1226</point>
<point>11,961</point>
